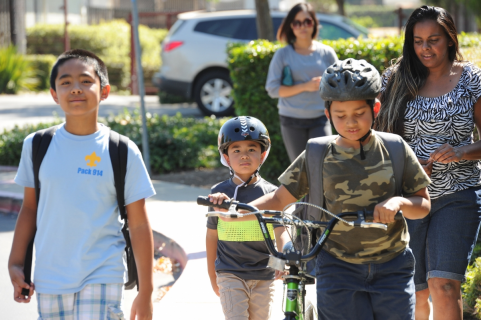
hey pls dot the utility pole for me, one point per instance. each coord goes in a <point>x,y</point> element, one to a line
<point>17,25</point>
<point>140,81</point>
<point>66,40</point>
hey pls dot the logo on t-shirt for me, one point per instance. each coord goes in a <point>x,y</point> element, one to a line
<point>92,161</point>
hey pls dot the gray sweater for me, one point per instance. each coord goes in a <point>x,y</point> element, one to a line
<point>305,105</point>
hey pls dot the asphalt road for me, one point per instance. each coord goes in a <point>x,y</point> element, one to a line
<point>36,108</point>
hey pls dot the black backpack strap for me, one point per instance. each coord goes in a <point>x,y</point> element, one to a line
<point>40,143</point>
<point>395,147</point>
<point>118,150</point>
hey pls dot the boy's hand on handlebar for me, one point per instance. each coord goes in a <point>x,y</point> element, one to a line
<point>385,211</point>
<point>218,198</point>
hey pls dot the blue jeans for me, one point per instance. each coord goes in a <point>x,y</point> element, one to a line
<point>443,241</point>
<point>383,291</point>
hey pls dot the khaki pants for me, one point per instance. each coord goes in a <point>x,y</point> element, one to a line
<point>245,299</point>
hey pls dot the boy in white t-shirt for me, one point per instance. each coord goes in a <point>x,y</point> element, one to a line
<point>79,268</point>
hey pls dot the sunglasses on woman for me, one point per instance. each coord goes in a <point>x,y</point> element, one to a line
<point>296,24</point>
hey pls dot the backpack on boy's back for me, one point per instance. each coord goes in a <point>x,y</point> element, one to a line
<point>118,150</point>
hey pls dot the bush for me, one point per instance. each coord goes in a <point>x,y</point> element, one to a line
<point>248,65</point>
<point>11,141</point>
<point>16,73</point>
<point>42,64</point>
<point>472,290</point>
<point>109,40</point>
<point>176,143</point>
<point>378,52</point>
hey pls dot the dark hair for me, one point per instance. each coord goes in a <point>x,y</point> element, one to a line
<point>83,55</point>
<point>285,30</point>
<point>408,74</point>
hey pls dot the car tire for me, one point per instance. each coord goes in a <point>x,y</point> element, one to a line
<point>213,94</point>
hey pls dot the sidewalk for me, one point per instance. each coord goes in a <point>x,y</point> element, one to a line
<point>173,212</point>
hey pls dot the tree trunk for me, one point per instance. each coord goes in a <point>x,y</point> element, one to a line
<point>17,25</point>
<point>340,7</point>
<point>265,30</point>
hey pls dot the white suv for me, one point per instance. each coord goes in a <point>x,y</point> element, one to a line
<point>194,58</point>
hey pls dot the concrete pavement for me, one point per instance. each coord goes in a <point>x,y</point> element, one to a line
<point>35,108</point>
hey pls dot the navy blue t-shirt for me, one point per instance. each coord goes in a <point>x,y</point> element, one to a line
<point>245,259</point>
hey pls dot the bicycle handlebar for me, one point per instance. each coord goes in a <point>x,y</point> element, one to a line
<point>232,205</point>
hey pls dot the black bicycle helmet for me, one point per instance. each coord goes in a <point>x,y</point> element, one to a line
<point>242,128</point>
<point>349,80</point>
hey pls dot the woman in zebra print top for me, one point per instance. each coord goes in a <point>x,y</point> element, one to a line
<point>431,98</point>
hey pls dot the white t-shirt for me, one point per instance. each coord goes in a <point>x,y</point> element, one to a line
<point>79,239</point>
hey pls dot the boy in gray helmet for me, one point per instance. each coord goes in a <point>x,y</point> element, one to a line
<point>361,273</point>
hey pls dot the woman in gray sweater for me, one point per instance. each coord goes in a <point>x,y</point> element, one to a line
<point>301,109</point>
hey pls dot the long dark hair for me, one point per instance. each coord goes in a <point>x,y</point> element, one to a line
<point>408,74</point>
<point>285,30</point>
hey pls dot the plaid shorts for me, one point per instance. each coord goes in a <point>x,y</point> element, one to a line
<point>93,302</point>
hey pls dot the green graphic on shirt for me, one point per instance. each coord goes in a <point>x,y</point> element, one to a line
<point>239,231</point>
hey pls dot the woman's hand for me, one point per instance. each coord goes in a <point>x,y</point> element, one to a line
<point>427,166</point>
<point>446,154</point>
<point>313,85</point>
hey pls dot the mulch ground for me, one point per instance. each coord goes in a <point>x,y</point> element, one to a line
<point>203,178</point>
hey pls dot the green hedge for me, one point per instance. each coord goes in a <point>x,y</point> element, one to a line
<point>378,52</point>
<point>176,143</point>
<point>42,64</point>
<point>109,40</point>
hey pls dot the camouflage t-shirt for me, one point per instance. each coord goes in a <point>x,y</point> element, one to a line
<point>352,184</point>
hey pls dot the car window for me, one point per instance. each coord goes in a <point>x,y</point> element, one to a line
<point>276,23</point>
<point>235,28</point>
<point>330,31</point>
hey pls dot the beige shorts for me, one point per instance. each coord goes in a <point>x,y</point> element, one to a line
<point>245,299</point>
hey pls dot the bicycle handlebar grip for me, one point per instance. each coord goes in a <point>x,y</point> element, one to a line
<point>370,216</point>
<point>204,201</point>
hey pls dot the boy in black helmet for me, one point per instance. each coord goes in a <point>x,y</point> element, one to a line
<point>236,252</point>
<point>361,273</point>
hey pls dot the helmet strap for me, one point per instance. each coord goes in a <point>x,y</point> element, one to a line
<point>364,137</point>
<point>244,183</point>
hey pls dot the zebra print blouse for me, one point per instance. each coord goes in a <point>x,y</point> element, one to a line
<point>432,122</point>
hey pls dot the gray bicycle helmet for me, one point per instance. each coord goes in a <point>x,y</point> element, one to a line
<point>350,79</point>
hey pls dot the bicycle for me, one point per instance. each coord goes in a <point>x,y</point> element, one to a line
<point>295,305</point>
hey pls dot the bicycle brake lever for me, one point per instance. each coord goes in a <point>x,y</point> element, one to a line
<point>361,222</point>
<point>373,225</point>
